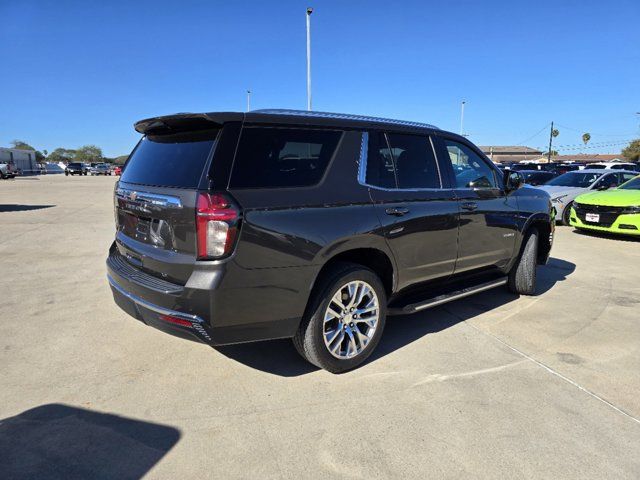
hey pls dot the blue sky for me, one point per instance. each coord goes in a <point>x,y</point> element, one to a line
<point>79,73</point>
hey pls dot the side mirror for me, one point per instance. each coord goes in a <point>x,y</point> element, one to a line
<point>481,182</point>
<point>512,181</point>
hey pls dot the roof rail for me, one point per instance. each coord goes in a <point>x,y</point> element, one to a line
<point>342,116</point>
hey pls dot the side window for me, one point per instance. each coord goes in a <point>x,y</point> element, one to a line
<point>414,160</point>
<point>608,181</point>
<point>282,157</point>
<point>380,168</point>
<point>470,169</point>
<point>626,177</point>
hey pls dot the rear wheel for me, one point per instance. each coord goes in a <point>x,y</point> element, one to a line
<point>345,319</point>
<point>566,214</point>
<point>522,277</point>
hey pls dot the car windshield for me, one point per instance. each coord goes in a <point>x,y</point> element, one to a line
<point>633,184</point>
<point>575,179</point>
<point>75,165</point>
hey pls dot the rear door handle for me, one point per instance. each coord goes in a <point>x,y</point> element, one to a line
<point>471,206</point>
<point>397,211</point>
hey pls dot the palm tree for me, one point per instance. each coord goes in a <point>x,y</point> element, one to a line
<point>585,138</point>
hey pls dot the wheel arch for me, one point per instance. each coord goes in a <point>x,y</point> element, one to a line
<point>544,224</point>
<point>376,259</point>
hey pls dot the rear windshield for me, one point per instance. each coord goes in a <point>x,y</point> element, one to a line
<point>282,157</point>
<point>176,160</point>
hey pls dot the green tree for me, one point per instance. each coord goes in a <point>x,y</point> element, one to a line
<point>19,144</point>
<point>555,132</point>
<point>88,154</point>
<point>553,153</point>
<point>585,138</point>
<point>61,155</point>
<point>632,151</point>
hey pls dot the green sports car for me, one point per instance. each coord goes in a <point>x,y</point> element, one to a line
<point>613,211</point>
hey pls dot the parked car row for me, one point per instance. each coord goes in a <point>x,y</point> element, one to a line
<point>564,189</point>
<point>79,168</point>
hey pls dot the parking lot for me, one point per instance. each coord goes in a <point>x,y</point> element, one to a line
<point>491,386</point>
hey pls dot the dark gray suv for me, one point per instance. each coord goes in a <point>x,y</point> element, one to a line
<point>235,227</point>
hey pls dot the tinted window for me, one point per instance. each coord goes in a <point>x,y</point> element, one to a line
<point>469,168</point>
<point>380,168</point>
<point>608,181</point>
<point>632,185</point>
<point>575,179</point>
<point>414,161</point>
<point>282,157</point>
<point>626,177</point>
<point>170,160</point>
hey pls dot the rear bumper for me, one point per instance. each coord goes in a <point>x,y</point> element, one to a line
<point>219,305</point>
<point>625,224</point>
<point>170,321</point>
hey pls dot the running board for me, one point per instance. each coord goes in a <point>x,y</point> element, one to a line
<point>448,297</point>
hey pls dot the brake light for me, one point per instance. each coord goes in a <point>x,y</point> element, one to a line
<point>216,225</point>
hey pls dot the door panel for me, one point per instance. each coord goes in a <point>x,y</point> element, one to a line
<point>419,218</point>
<point>488,217</point>
<point>488,226</point>
<point>422,235</point>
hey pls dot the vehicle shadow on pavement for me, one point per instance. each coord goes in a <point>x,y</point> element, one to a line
<point>22,208</point>
<point>279,357</point>
<point>60,441</point>
<point>403,330</point>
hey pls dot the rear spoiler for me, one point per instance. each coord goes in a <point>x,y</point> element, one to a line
<point>181,122</point>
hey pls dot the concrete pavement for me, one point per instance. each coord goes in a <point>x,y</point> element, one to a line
<point>493,386</point>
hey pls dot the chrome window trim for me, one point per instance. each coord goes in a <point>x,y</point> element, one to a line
<point>151,199</point>
<point>362,168</point>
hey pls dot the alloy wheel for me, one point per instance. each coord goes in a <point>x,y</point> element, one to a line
<point>351,319</point>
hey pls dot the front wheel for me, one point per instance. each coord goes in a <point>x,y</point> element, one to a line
<point>522,277</point>
<point>344,320</point>
<point>566,214</point>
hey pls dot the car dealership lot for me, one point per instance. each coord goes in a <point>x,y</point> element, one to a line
<point>489,386</point>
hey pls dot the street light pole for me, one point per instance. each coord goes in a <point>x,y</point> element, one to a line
<point>462,118</point>
<point>248,100</point>
<point>550,144</point>
<point>309,12</point>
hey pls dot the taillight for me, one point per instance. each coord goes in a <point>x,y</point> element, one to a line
<point>216,225</point>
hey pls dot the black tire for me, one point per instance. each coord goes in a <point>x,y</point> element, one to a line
<point>85,174</point>
<point>522,277</point>
<point>566,215</point>
<point>2,176</point>
<point>66,174</point>
<point>309,339</point>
